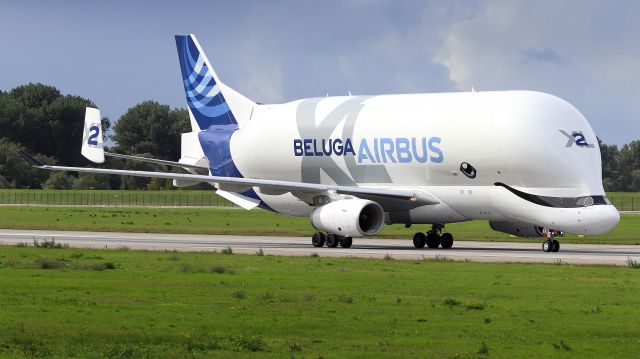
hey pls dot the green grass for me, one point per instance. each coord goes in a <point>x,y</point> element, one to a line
<point>109,303</point>
<point>255,222</point>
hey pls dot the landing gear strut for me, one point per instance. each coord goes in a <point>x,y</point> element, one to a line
<point>332,240</point>
<point>551,244</point>
<point>433,238</point>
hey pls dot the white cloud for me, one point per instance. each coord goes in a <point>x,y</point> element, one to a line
<point>582,51</point>
<point>259,80</point>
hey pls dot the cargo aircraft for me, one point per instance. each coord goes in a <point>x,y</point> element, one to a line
<point>527,162</point>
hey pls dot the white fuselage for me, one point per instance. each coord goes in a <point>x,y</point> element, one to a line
<point>524,140</point>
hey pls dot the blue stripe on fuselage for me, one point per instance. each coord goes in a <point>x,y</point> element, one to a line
<point>215,142</point>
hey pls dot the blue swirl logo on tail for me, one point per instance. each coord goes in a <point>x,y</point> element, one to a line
<point>204,97</point>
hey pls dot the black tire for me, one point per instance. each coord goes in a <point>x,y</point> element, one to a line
<point>556,246</point>
<point>419,239</point>
<point>317,239</point>
<point>332,240</point>
<point>433,240</point>
<point>547,245</point>
<point>346,242</point>
<point>446,240</point>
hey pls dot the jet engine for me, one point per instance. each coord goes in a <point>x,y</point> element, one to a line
<point>349,218</point>
<point>515,228</point>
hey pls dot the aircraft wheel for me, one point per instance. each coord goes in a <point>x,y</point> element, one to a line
<point>547,245</point>
<point>446,240</point>
<point>419,239</point>
<point>332,240</point>
<point>433,240</point>
<point>317,239</point>
<point>346,242</point>
<point>556,246</point>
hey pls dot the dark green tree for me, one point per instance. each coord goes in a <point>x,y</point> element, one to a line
<point>628,162</point>
<point>150,127</point>
<point>16,171</point>
<point>610,172</point>
<point>92,181</point>
<point>59,180</point>
<point>44,121</point>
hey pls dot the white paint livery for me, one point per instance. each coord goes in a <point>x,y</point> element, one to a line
<point>527,161</point>
<point>510,137</point>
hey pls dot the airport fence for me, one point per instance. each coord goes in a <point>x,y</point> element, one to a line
<point>624,201</point>
<point>113,198</point>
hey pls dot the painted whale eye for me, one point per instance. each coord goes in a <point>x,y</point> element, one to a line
<point>468,170</point>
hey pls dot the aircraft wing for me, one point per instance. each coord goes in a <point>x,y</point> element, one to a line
<point>196,168</point>
<point>390,199</point>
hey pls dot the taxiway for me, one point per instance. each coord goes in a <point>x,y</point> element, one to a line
<point>362,247</point>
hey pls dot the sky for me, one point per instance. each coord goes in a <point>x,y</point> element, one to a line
<point>120,53</point>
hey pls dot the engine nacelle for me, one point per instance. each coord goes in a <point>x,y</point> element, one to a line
<point>519,229</point>
<point>349,218</point>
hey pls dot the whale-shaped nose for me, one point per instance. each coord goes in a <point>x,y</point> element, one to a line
<point>600,219</point>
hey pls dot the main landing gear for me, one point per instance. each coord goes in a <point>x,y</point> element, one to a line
<point>433,238</point>
<point>551,244</point>
<point>332,240</point>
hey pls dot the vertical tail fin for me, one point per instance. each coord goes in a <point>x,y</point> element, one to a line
<point>211,103</point>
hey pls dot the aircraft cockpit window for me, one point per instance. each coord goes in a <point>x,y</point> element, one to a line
<point>585,201</point>
<point>600,200</point>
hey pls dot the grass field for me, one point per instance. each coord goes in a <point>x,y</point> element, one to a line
<point>624,201</point>
<point>241,222</point>
<point>126,304</point>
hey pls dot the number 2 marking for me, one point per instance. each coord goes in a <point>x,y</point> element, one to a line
<point>94,131</point>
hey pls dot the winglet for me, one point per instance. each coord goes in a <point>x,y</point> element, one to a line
<point>32,160</point>
<point>92,146</point>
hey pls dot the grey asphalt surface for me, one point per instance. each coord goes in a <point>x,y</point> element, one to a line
<point>362,247</point>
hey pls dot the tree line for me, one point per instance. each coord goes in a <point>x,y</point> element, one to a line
<point>41,120</point>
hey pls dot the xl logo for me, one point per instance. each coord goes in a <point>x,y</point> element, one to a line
<point>576,137</point>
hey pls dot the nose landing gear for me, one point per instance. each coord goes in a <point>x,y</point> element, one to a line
<point>551,244</point>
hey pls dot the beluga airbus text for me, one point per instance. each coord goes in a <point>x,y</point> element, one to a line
<point>525,161</point>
